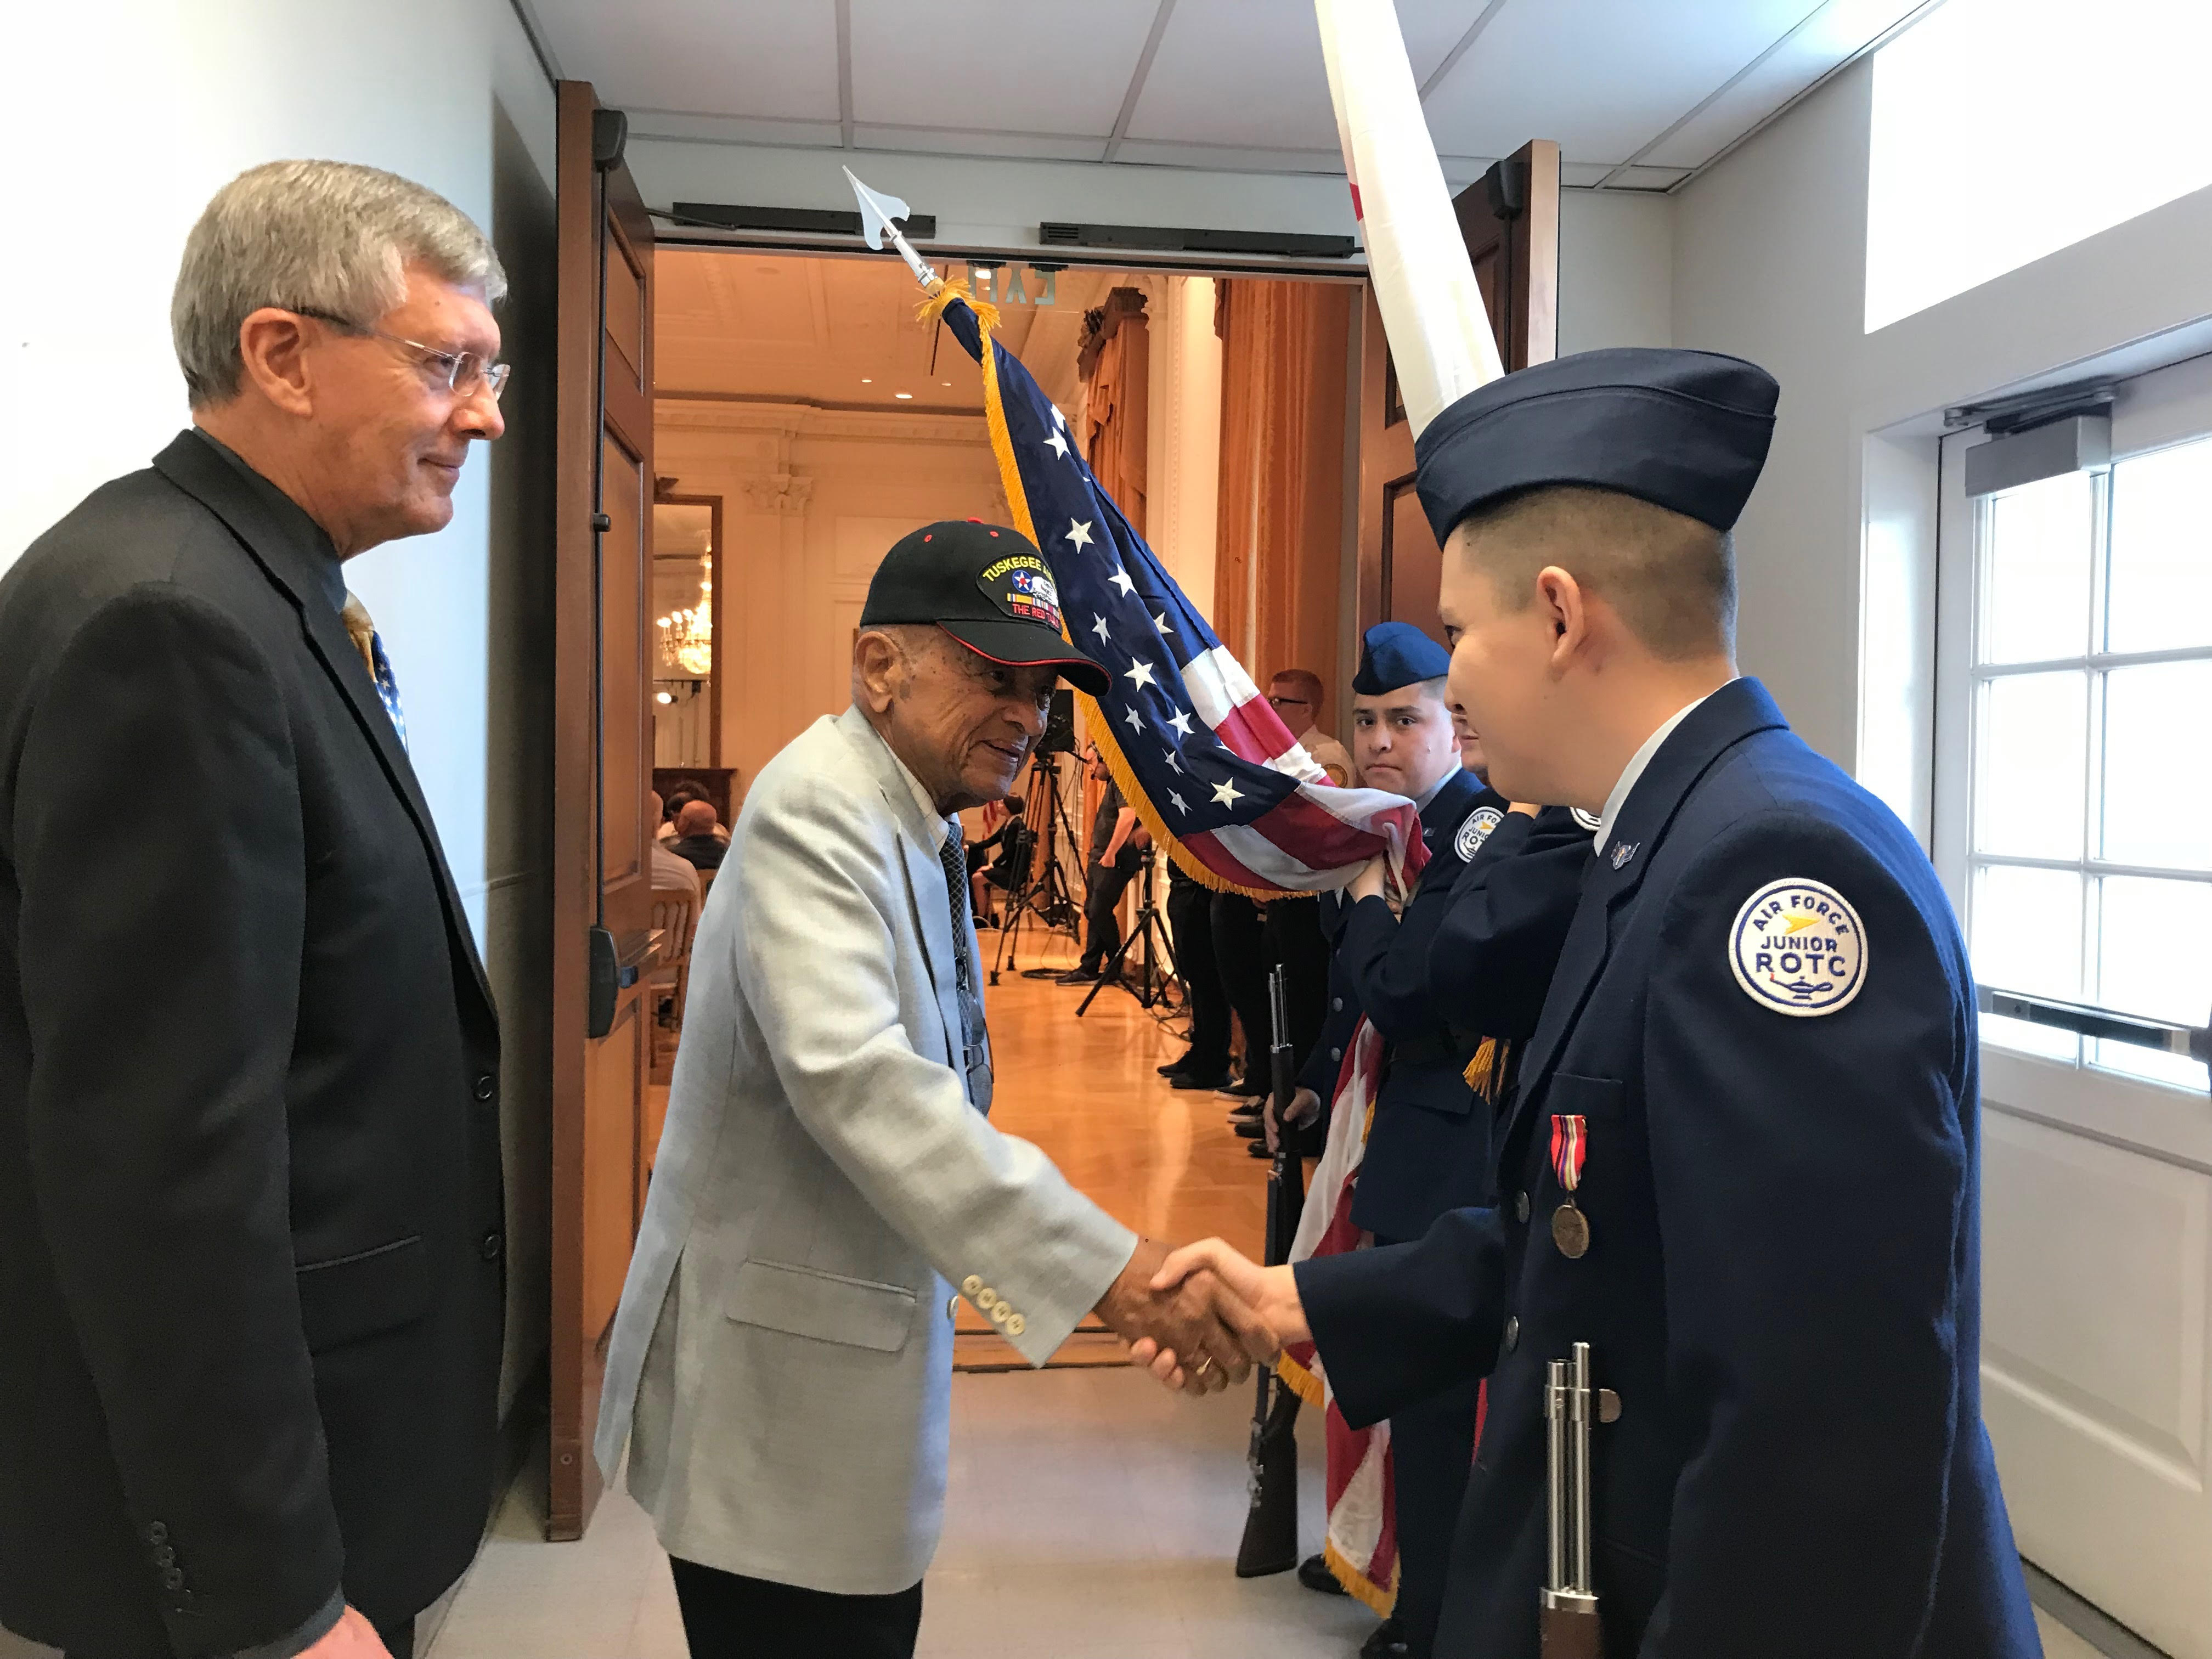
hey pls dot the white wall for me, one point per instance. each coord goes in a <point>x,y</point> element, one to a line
<point>142,109</point>
<point>1769,263</point>
<point>1616,269</point>
<point>138,110</point>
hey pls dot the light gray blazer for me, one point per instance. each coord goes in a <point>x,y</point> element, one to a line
<point>781,1363</point>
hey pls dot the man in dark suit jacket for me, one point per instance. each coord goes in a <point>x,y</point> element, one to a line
<point>251,1240</point>
<point>1742,1163</point>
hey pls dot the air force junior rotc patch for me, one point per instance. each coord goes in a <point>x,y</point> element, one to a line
<point>1797,948</point>
<point>1475,829</point>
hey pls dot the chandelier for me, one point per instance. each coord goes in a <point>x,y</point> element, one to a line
<point>687,636</point>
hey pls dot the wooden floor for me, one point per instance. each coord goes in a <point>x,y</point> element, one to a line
<point>1159,1160</point>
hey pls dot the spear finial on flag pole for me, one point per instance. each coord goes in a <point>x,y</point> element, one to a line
<point>879,214</point>
<point>1440,335</point>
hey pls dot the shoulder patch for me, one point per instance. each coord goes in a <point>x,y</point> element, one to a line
<point>1797,948</point>
<point>1590,821</point>
<point>1475,829</point>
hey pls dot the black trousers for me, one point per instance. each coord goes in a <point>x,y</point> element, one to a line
<point>1240,950</point>
<point>1432,1452</point>
<point>1190,918</point>
<point>399,1638</point>
<point>727,1616</point>
<point>1101,897</point>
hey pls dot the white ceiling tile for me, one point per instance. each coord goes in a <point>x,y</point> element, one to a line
<point>1581,175</point>
<point>1228,158</point>
<point>948,142</point>
<point>1604,78</point>
<point>1644,178</point>
<point>984,63</point>
<point>704,56</point>
<point>1246,72</point>
<point>1835,35</point>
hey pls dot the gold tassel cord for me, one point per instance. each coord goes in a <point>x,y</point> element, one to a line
<point>948,290</point>
<point>1487,1069</point>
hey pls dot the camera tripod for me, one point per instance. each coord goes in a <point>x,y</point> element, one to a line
<point>1157,965</point>
<point>1044,896</point>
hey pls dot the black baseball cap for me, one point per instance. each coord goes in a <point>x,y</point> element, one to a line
<point>986,586</point>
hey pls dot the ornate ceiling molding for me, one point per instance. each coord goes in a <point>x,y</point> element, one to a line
<point>777,492</point>
<point>803,421</point>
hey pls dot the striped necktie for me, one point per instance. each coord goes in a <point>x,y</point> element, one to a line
<point>976,1059</point>
<point>370,644</point>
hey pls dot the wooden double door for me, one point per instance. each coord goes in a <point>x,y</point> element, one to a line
<point>1510,219</point>
<point>603,756</point>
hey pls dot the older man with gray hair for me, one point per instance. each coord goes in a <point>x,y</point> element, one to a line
<point>250,1205</point>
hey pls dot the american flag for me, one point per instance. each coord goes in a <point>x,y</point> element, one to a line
<point>1198,752</point>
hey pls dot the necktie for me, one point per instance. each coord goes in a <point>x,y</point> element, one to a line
<point>370,644</point>
<point>976,1058</point>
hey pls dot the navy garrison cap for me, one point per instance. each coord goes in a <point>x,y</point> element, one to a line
<point>1395,653</point>
<point>1687,430</point>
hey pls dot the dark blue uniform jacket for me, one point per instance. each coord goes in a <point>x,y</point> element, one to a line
<point>1456,797</point>
<point>1430,1149</point>
<point>1783,1281</point>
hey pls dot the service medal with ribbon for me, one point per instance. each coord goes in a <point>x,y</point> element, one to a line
<point>1570,1144</point>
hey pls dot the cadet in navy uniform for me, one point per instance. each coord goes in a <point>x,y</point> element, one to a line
<point>1742,1163</point>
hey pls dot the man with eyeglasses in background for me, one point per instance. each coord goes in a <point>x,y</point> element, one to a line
<point>251,1233</point>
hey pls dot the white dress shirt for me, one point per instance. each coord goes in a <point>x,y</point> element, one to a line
<point>1634,769</point>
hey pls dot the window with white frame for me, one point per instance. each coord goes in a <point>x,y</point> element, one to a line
<point>2089,859</point>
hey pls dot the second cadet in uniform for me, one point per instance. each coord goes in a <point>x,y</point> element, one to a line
<point>1742,1163</point>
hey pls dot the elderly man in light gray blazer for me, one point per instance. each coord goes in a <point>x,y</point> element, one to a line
<point>781,1368</point>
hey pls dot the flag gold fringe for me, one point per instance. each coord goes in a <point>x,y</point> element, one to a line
<point>1358,1585</point>
<point>1102,731</point>
<point>1299,1381</point>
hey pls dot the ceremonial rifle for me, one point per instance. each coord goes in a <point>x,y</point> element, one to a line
<point>1271,1524</point>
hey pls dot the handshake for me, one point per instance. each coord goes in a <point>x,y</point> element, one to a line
<point>1199,1318</point>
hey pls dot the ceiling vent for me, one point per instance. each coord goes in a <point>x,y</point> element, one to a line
<point>793,221</point>
<point>1154,238</point>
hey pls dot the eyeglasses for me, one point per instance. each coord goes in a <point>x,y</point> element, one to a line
<point>464,372</point>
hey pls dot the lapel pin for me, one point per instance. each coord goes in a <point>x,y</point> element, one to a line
<point>1623,851</point>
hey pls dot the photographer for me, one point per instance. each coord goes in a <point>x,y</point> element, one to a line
<point>1118,847</point>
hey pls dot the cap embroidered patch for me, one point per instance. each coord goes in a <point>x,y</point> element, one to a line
<point>1797,948</point>
<point>1475,829</point>
<point>1022,586</point>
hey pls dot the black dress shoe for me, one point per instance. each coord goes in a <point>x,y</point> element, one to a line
<point>1250,1086</point>
<point>1389,1642</point>
<point>1257,1149</point>
<point>1175,1067</point>
<point>1251,1131</point>
<point>1249,1112</point>
<point>1313,1574</point>
<point>1198,1079</point>
<point>1078,974</point>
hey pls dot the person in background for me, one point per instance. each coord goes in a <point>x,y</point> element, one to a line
<point>685,792</point>
<point>671,873</point>
<point>1205,1063</point>
<point>251,1229</point>
<point>1118,847</point>
<point>1000,860</point>
<point>1296,694</point>
<point>696,839</point>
